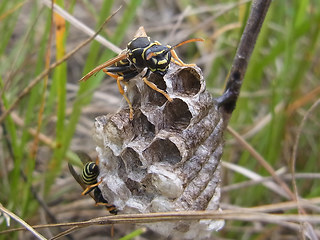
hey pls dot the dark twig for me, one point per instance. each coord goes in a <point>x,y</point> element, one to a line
<point>249,37</point>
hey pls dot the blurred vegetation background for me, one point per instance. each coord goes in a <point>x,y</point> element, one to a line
<point>52,116</point>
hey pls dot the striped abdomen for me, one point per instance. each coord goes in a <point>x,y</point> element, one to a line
<point>90,173</point>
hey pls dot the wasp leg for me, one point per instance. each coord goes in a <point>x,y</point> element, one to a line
<point>100,201</point>
<point>110,207</point>
<point>121,90</point>
<point>178,61</point>
<point>83,157</point>
<point>90,188</point>
<point>97,161</point>
<point>125,97</point>
<point>154,87</point>
<point>113,75</point>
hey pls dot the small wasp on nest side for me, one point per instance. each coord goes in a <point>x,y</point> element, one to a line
<point>141,53</point>
<point>88,181</point>
<point>167,157</point>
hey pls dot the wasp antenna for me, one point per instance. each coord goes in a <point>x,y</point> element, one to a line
<point>178,45</point>
<point>187,41</point>
<point>152,54</point>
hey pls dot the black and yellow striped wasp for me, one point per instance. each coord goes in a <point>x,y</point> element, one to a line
<point>88,180</point>
<point>141,53</point>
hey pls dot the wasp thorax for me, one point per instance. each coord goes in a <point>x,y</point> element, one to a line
<point>167,158</point>
<point>136,49</point>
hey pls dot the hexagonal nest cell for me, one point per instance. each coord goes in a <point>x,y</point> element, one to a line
<point>168,157</point>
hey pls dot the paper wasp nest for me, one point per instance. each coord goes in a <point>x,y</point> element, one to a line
<point>168,157</point>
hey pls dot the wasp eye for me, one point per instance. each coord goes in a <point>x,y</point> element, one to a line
<point>150,55</point>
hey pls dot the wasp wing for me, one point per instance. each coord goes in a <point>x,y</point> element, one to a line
<point>76,176</point>
<point>108,63</point>
<point>84,157</point>
<point>140,33</point>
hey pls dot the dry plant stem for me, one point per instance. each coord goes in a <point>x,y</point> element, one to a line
<point>252,182</point>
<point>220,10</point>
<point>249,37</point>
<point>12,10</point>
<point>35,81</point>
<point>307,98</point>
<point>259,209</point>
<point>295,149</point>
<point>43,138</point>
<point>279,207</point>
<point>261,123</point>
<point>226,28</point>
<point>305,226</point>
<point>66,232</point>
<point>262,161</point>
<point>77,24</point>
<point>268,167</point>
<point>242,215</point>
<point>23,223</point>
<point>271,185</point>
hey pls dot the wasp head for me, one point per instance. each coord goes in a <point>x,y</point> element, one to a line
<point>158,58</point>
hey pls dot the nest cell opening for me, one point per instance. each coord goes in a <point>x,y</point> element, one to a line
<point>176,115</point>
<point>132,164</point>
<point>152,95</point>
<point>163,150</point>
<point>187,82</point>
<point>135,187</point>
<point>142,127</point>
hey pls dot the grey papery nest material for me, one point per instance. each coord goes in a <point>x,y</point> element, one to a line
<point>168,157</point>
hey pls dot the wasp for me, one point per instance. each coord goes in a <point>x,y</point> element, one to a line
<point>141,53</point>
<point>88,181</point>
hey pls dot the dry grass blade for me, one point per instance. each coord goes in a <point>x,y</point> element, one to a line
<point>23,223</point>
<point>262,161</point>
<point>288,205</point>
<point>27,89</point>
<point>76,23</point>
<point>304,226</point>
<point>43,138</point>
<point>254,176</point>
<point>247,214</point>
<point>307,98</point>
<point>66,232</point>
<point>12,10</point>
<point>248,183</point>
<point>261,123</point>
